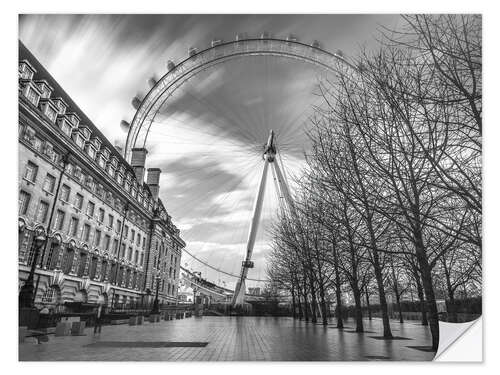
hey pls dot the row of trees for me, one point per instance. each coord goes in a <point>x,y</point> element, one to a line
<point>390,201</point>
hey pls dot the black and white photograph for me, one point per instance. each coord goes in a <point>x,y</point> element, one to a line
<point>248,187</point>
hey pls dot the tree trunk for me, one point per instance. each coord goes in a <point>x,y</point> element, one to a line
<point>452,311</point>
<point>294,313</point>
<point>381,292</point>
<point>358,311</point>
<point>423,307</point>
<point>324,316</point>
<point>314,302</point>
<point>368,303</point>
<point>338,296</point>
<point>428,288</point>
<point>306,304</point>
<point>396,291</point>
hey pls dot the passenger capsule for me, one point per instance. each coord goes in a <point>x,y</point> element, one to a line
<point>152,81</point>
<point>316,44</point>
<point>136,102</point>
<point>170,65</point>
<point>339,53</point>
<point>192,51</point>
<point>124,125</point>
<point>291,38</point>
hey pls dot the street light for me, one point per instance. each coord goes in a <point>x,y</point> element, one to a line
<point>156,308</point>
<point>26,296</point>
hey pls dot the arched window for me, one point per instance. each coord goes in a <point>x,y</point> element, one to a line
<point>93,267</point>
<point>120,276</point>
<point>112,276</point>
<point>68,261</point>
<point>81,264</point>
<point>52,255</point>
<point>104,269</point>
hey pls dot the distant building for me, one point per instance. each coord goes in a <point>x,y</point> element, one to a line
<point>109,234</point>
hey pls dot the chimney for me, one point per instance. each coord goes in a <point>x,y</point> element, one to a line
<point>154,181</point>
<point>138,162</point>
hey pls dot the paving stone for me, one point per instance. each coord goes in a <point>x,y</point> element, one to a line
<point>233,339</point>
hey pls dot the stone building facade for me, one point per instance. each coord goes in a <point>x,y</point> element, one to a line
<point>110,239</point>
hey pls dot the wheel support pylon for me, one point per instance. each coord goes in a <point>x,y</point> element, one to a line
<point>269,157</point>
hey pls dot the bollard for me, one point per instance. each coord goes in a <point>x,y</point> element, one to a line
<point>140,320</point>
<point>132,321</point>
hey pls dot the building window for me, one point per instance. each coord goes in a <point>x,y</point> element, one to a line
<point>59,221</point>
<point>107,240</point>
<point>32,96</point>
<point>65,192</point>
<point>49,183</point>
<point>142,259</point>
<point>118,226</point>
<point>132,236</point>
<point>66,128</point>
<point>78,201</point>
<point>51,114</point>
<point>110,221</point>
<point>138,239</point>
<point>115,247</point>
<point>53,255</point>
<point>68,261</point>
<point>31,172</point>
<point>125,231</point>
<point>136,256</point>
<point>86,233</point>
<point>104,270</point>
<point>90,209</point>
<point>43,209</point>
<point>93,267</point>
<point>101,215</point>
<point>122,252</point>
<point>97,238</point>
<point>82,264</point>
<point>143,243</point>
<point>73,227</point>
<point>24,202</point>
<point>129,255</point>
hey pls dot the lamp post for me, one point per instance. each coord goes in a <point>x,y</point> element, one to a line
<point>26,296</point>
<point>156,308</point>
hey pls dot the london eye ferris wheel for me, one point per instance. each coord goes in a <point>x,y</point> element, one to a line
<point>216,122</point>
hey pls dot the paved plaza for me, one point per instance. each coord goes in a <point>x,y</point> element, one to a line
<point>235,339</point>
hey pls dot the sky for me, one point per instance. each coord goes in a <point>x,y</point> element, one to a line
<point>207,138</point>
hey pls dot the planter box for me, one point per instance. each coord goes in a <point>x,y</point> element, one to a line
<point>140,320</point>
<point>77,328</point>
<point>63,329</point>
<point>132,321</point>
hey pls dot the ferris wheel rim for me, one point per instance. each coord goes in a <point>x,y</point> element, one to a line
<point>156,96</point>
